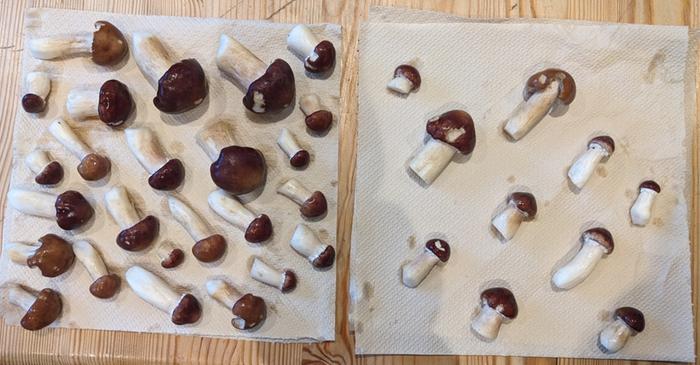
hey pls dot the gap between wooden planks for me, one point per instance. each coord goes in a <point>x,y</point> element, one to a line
<point>71,346</point>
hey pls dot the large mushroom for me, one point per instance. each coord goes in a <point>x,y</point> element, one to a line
<point>41,309</point>
<point>318,56</point>
<point>498,305</point>
<point>136,233</point>
<point>310,204</point>
<point>627,322</point>
<point>208,246</point>
<point>182,308</point>
<point>521,206</point>
<point>256,228</point>
<point>166,173</point>
<point>306,243</point>
<point>104,284</point>
<point>451,132</point>
<point>181,85</point>
<point>406,79</point>
<point>542,91</point>
<point>640,213</point>
<point>298,157</point>
<point>46,170</point>
<point>111,103</point>
<point>70,209</point>
<point>267,88</point>
<point>284,280</point>
<point>249,311</point>
<point>37,89</point>
<point>599,148</point>
<point>595,243</point>
<point>52,257</point>
<point>416,270</point>
<point>92,166</point>
<point>318,118</point>
<point>106,45</point>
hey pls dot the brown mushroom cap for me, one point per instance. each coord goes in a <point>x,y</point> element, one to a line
<point>319,121</point>
<point>651,185</point>
<point>94,167</point>
<point>46,308</point>
<point>182,87</point>
<point>410,73</point>
<point>289,282</point>
<point>325,259</point>
<point>51,174</point>
<point>501,300</point>
<point>209,249</point>
<point>439,248</point>
<point>105,286</point>
<point>187,310</point>
<point>168,176</point>
<point>108,44</point>
<point>239,170</point>
<point>542,79</point>
<point>276,86</point>
<point>455,128</point>
<point>633,317</point>
<point>249,312</point>
<point>259,230</point>
<point>54,257</point>
<point>604,142</point>
<point>601,236</point>
<point>32,103</point>
<point>326,58</point>
<point>315,205</point>
<point>115,103</point>
<point>174,259</point>
<point>525,203</point>
<point>300,159</point>
<point>72,210</point>
<point>140,235</point>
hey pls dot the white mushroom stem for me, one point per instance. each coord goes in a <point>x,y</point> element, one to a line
<point>81,103</point>
<point>49,48</point>
<point>488,322</point>
<point>288,143</point>
<point>151,56</point>
<point>38,83</point>
<point>400,84</point>
<point>231,209</point>
<point>239,62</point>
<point>310,103</point>
<point>508,221</point>
<point>90,258</point>
<point>530,112</point>
<point>614,336</point>
<point>63,133</point>
<point>120,207</point>
<point>578,269</point>
<point>306,243</point>
<point>20,297</point>
<point>582,169</point>
<point>641,209</point>
<point>37,161</point>
<point>19,252</point>
<point>223,293</point>
<point>295,191</point>
<point>302,42</point>
<point>414,272</point>
<point>34,203</point>
<point>188,218</point>
<point>152,289</point>
<point>214,138</point>
<point>266,274</point>
<point>432,159</point>
<point>144,144</point>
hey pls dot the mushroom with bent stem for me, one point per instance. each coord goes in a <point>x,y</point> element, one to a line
<point>136,233</point>
<point>92,166</point>
<point>104,284</point>
<point>640,213</point>
<point>249,311</point>
<point>209,247</point>
<point>628,321</point>
<point>596,243</point>
<point>48,171</point>
<point>111,103</point>
<point>521,206</point>
<point>106,45</point>
<point>41,310</point>
<point>318,118</point>
<point>599,148</point>
<point>52,257</point>
<point>166,173</point>
<point>498,305</point>
<point>406,79</point>
<point>414,272</point>
<point>318,56</point>
<point>305,242</point>
<point>182,308</point>
<point>38,87</point>
<point>298,157</point>
<point>310,204</point>
<point>70,209</point>
<point>257,228</point>
<point>284,280</point>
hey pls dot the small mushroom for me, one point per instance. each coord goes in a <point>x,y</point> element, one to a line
<point>208,246</point>
<point>48,171</point>
<point>170,256</point>
<point>37,89</point>
<point>257,228</point>
<point>317,56</point>
<point>249,311</point>
<point>414,272</point>
<point>181,85</point>
<point>599,148</point>
<point>406,79</point>
<point>41,310</point>
<point>268,88</point>
<point>166,173</point>
<point>285,280</point>
<point>70,209</point>
<point>305,242</point>
<point>596,243</point>
<point>311,204</point>
<point>111,103</point>
<point>521,206</point>
<point>298,157</point>
<point>318,118</point>
<point>104,284</point>
<point>52,257</point>
<point>542,91</point>
<point>451,132</point>
<point>137,234</point>
<point>182,308</point>
<point>498,305</point>
<point>92,166</point>
<point>627,322</point>
<point>106,45</point>
<point>641,209</point>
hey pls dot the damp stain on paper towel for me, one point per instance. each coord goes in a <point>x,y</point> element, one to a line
<point>601,171</point>
<point>334,183</point>
<point>657,60</point>
<point>411,241</point>
<point>177,148</point>
<point>629,193</point>
<point>657,222</point>
<point>323,234</point>
<point>367,290</point>
<point>511,179</point>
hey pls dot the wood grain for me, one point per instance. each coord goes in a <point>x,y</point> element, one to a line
<point>105,347</point>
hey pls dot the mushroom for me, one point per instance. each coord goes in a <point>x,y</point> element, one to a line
<point>249,311</point>
<point>521,206</point>
<point>317,56</point>
<point>111,103</point>
<point>268,88</point>
<point>38,87</point>
<point>285,280</point>
<point>238,170</point>
<point>257,228</point>
<point>41,310</point>
<point>311,204</point>
<point>166,173</point>
<point>305,242</point>
<point>599,148</point>
<point>542,91</point>
<point>182,308</point>
<point>53,257</point>
<point>106,45</point>
<point>181,85</point>
<point>48,171</point>
<point>414,272</point>
<point>596,243</point>
<point>170,256</point>
<point>104,284</point>
<point>641,209</point>
<point>70,209</point>
<point>406,79</point>
<point>209,247</point>
<point>451,132</point>
<point>92,166</point>
<point>137,234</point>
<point>298,157</point>
<point>627,321</point>
<point>318,118</point>
<point>498,305</point>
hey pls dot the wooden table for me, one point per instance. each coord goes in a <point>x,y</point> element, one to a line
<point>103,347</point>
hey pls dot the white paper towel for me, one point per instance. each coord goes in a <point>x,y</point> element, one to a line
<point>304,315</point>
<point>633,83</point>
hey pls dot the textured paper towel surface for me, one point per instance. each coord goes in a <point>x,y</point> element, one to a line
<point>307,314</point>
<point>633,83</point>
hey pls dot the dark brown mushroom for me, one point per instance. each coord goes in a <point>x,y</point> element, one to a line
<point>173,259</point>
<point>300,159</point>
<point>633,317</point>
<point>239,170</point>
<point>72,210</point>
<point>542,79</point>
<point>249,312</point>
<point>315,205</point>
<point>140,235</point>
<point>455,128</point>
<point>187,311</point>
<point>406,79</point>
<point>169,176</point>
<point>44,311</point>
<point>51,174</point>
<point>259,230</point>
<point>106,286</point>
<point>115,103</point>
<point>210,248</point>
<point>182,87</point>
<point>32,103</point>
<point>273,91</point>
